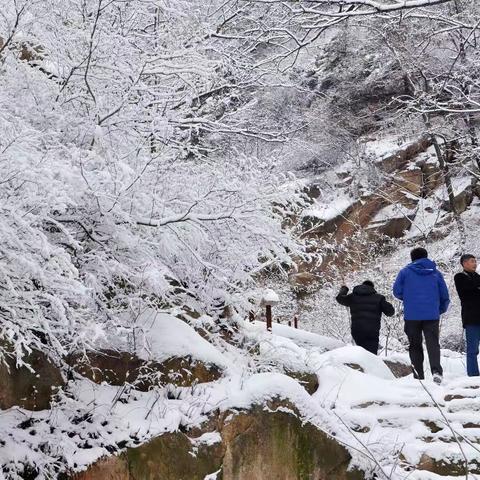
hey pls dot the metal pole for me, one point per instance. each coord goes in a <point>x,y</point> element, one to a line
<point>268,312</point>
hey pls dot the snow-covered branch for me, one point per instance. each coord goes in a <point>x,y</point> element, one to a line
<point>347,8</point>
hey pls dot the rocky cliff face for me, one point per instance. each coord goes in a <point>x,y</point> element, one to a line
<point>367,210</point>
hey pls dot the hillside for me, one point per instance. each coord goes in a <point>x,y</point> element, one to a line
<point>347,400</point>
<point>164,163</point>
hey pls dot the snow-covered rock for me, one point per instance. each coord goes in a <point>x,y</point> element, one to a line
<point>160,336</point>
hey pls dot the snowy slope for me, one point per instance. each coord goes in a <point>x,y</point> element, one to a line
<point>384,421</point>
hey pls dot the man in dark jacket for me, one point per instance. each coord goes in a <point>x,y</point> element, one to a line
<point>468,288</point>
<point>425,297</point>
<point>366,308</point>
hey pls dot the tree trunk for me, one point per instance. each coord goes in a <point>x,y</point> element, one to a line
<point>448,184</point>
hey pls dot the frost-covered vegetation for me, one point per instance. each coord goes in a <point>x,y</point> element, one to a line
<point>175,158</point>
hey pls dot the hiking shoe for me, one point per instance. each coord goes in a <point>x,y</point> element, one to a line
<point>437,378</point>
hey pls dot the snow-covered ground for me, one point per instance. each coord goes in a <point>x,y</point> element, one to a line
<point>328,210</point>
<point>383,420</point>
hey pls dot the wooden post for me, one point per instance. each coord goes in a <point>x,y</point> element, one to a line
<point>251,316</point>
<point>295,321</point>
<point>268,312</point>
<point>289,323</point>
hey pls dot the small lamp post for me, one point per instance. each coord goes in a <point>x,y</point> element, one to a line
<point>269,298</point>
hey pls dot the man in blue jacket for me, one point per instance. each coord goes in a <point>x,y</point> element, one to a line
<point>424,294</point>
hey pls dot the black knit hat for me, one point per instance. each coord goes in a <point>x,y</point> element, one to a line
<point>369,283</point>
<point>418,253</point>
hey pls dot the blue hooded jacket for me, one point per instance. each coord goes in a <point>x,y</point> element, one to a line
<point>422,289</point>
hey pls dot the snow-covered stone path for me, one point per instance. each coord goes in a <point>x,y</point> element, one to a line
<point>413,429</point>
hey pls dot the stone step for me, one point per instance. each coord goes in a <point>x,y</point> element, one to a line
<point>381,403</point>
<point>461,395</point>
<point>464,404</point>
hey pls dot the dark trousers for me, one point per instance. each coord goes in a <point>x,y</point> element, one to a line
<point>472,332</point>
<point>366,340</point>
<point>430,330</point>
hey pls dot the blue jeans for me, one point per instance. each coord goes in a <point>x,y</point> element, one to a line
<point>472,332</point>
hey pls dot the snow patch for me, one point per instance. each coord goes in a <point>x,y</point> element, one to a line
<point>162,336</point>
<point>328,211</point>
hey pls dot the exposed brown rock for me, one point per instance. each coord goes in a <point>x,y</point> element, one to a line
<point>410,180</point>
<point>447,467</point>
<point>316,226</point>
<point>116,368</point>
<point>313,190</point>
<point>471,425</point>
<point>450,397</point>
<point>308,380</point>
<point>111,468</point>
<point>394,227</point>
<point>256,445</point>
<point>27,51</point>
<point>370,404</point>
<point>360,428</point>
<point>432,177</point>
<point>398,369</point>
<point>277,446</point>
<point>24,388</point>
<point>461,201</point>
<point>399,159</point>
<point>432,426</point>
<point>108,366</point>
<point>355,366</point>
<point>359,215</point>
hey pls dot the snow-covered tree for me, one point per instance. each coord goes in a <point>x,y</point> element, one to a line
<point>129,174</point>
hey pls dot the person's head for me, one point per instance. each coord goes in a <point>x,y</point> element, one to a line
<point>469,262</point>
<point>418,253</point>
<point>368,283</point>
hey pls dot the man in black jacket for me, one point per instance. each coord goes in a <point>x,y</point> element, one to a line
<point>366,308</point>
<point>468,288</point>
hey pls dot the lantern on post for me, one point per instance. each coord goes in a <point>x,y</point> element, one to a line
<point>269,298</point>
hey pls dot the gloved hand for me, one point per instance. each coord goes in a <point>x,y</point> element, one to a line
<point>343,290</point>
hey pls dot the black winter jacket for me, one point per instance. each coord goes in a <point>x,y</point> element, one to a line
<point>366,307</point>
<point>468,288</point>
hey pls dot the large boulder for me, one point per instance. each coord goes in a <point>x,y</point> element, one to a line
<point>259,444</point>
<point>166,350</point>
<point>117,368</point>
